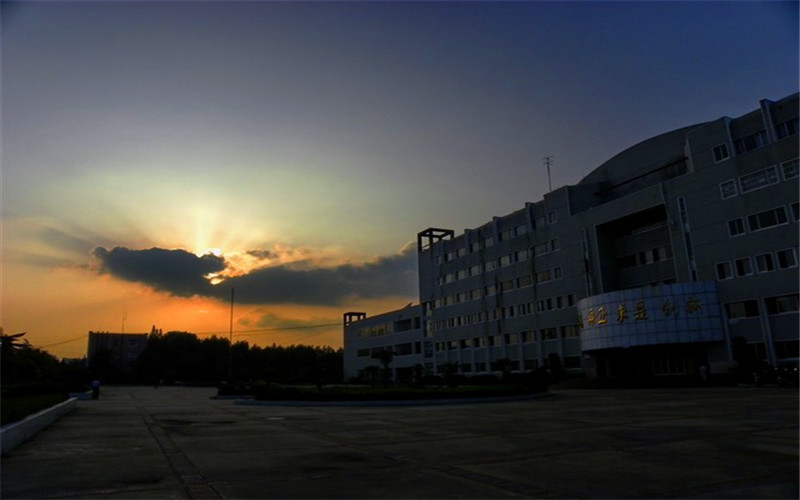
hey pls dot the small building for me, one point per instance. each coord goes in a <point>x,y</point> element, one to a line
<point>123,349</point>
<point>399,332</point>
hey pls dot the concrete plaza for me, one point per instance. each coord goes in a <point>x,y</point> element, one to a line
<point>176,442</point>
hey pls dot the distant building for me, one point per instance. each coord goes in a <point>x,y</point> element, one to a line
<point>123,348</point>
<point>651,265</point>
<point>397,331</point>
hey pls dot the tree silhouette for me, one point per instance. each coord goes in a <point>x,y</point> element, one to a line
<point>385,356</point>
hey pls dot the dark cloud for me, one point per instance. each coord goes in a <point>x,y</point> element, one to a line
<point>178,272</point>
<point>261,254</point>
<point>182,273</point>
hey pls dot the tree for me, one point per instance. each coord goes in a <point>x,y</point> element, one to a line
<point>385,356</point>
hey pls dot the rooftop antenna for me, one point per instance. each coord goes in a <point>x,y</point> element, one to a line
<point>124,317</point>
<point>547,161</point>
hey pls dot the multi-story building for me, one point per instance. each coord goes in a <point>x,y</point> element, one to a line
<point>656,263</point>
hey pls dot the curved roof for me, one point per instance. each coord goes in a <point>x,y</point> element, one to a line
<point>640,158</point>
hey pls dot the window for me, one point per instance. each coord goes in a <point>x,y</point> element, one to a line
<point>736,227</point>
<point>750,142</point>
<point>557,273</point>
<point>560,302</point>
<point>475,270</point>
<point>475,246</point>
<point>491,290</point>
<point>520,230</point>
<point>511,339</point>
<point>549,333</point>
<point>528,337</point>
<point>490,265</point>
<point>461,274</point>
<point>743,267</point>
<point>488,242</point>
<point>787,128</point>
<point>765,263</point>
<point>570,331</point>
<point>552,217</point>
<point>767,219</point>
<point>466,343</point>
<point>727,189</point>
<point>523,281</point>
<point>758,179</point>
<point>543,276</point>
<point>505,260</point>
<point>786,258</point>
<point>479,341</point>
<point>521,256</point>
<point>540,249</point>
<point>744,309</point>
<point>506,235</point>
<point>790,169</point>
<point>782,304</point>
<point>555,245</point>
<point>461,252</point>
<point>570,300</point>
<point>787,349</point>
<point>507,285</point>
<point>721,153</point>
<point>724,271</point>
<point>796,211</point>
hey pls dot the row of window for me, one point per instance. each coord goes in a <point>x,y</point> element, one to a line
<point>504,261</point>
<point>505,235</point>
<point>501,287</point>
<point>759,179</point>
<point>398,350</point>
<point>524,309</point>
<point>755,141</point>
<point>764,263</point>
<point>763,220</point>
<point>502,365</point>
<point>510,339</point>
<point>774,305</point>
<point>644,258</point>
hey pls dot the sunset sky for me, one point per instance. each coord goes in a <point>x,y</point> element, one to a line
<point>156,154</point>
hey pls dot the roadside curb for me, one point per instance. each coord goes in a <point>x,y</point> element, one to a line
<point>18,432</point>
<point>392,402</point>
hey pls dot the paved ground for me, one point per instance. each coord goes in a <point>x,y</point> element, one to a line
<point>175,442</point>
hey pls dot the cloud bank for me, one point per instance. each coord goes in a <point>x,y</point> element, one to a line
<point>185,274</point>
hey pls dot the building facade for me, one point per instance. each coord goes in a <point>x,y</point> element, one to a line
<point>656,263</point>
<point>399,332</point>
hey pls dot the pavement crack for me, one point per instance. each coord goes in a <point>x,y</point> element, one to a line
<point>193,482</point>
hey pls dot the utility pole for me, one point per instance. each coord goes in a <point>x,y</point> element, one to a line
<point>230,344</point>
<point>547,161</point>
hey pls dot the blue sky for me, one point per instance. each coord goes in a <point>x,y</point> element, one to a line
<point>327,134</point>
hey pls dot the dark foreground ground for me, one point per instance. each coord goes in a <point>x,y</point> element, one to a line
<point>175,442</point>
